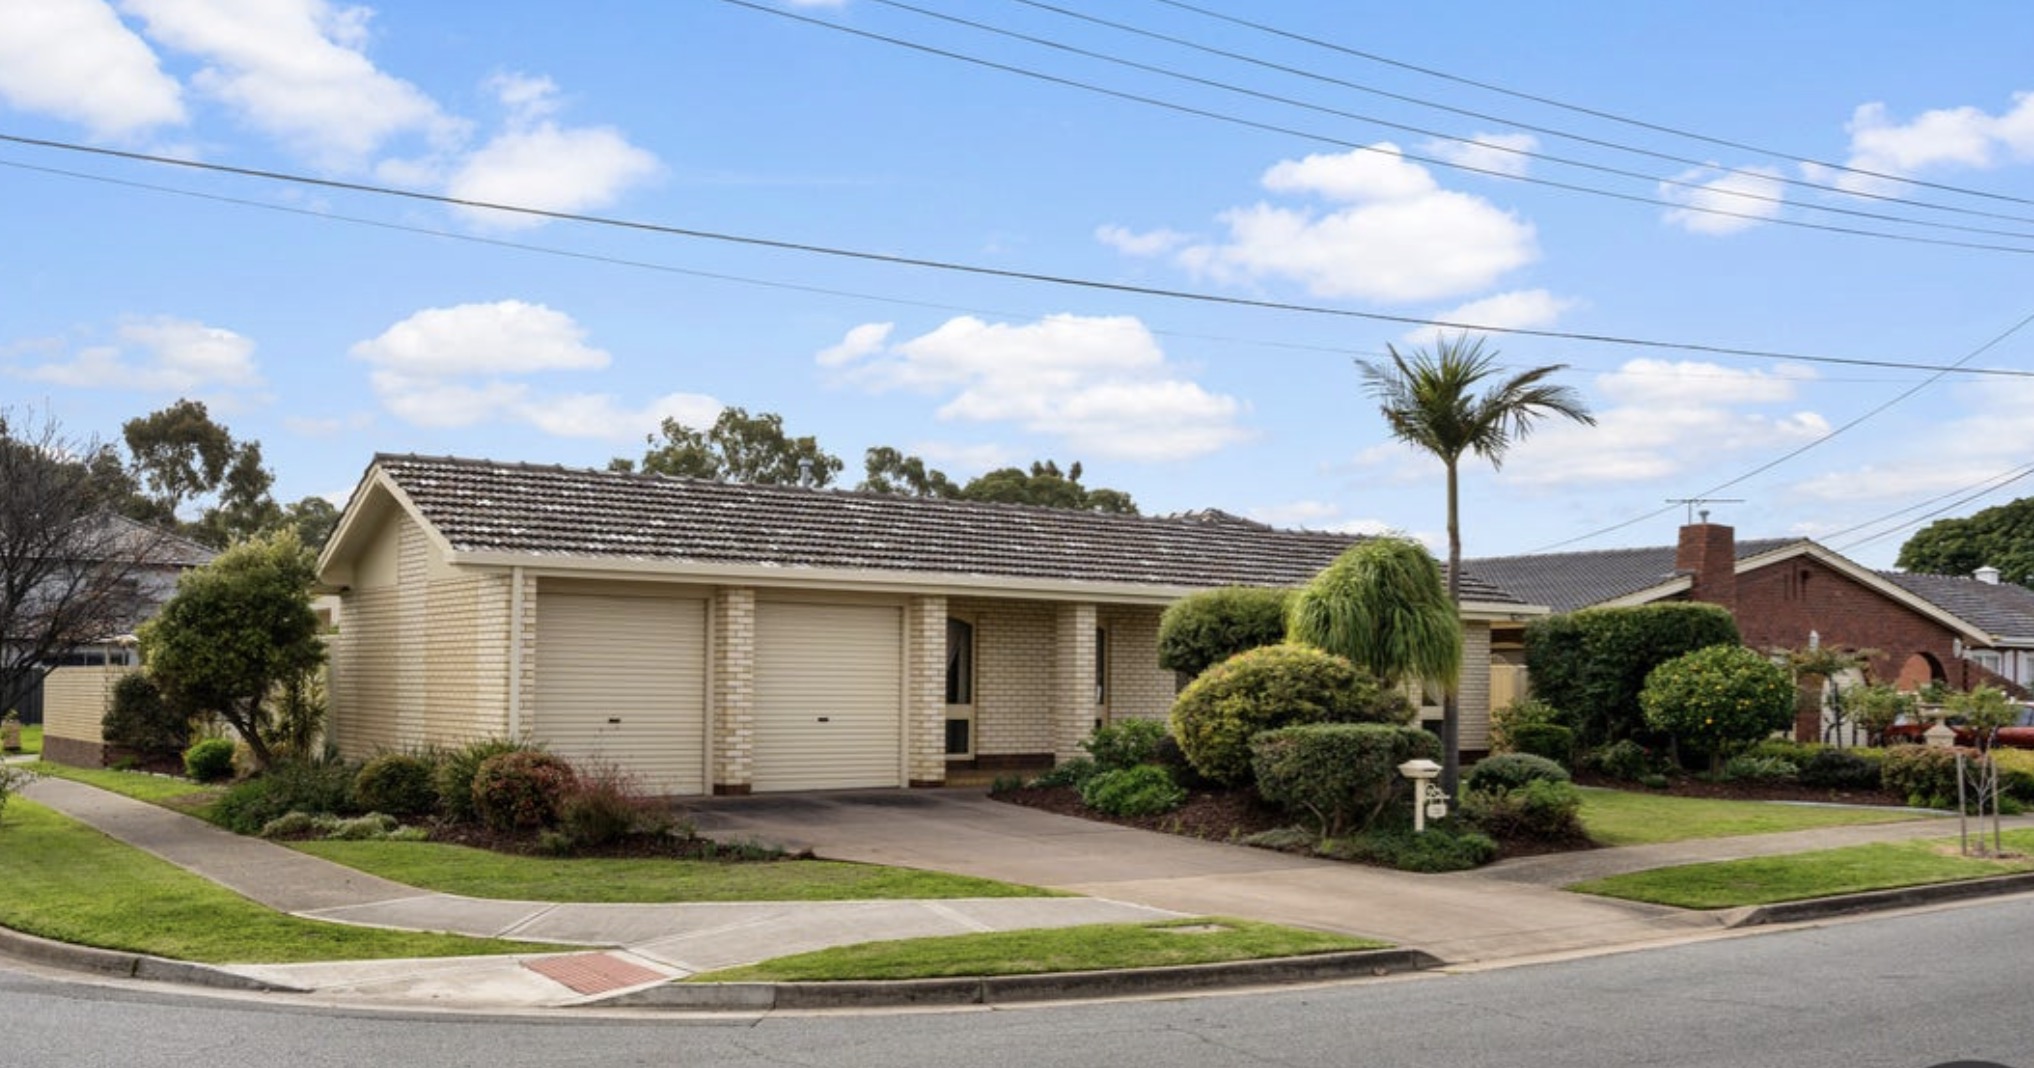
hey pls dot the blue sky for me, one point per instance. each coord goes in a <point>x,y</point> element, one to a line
<point>332,324</point>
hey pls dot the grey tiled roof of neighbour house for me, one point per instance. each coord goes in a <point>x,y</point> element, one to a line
<point>1565,582</point>
<point>2003,610</point>
<point>482,506</point>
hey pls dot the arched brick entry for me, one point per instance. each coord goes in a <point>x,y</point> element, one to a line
<point>1920,670</point>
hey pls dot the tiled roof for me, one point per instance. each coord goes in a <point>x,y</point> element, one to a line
<point>482,506</point>
<point>2003,610</point>
<point>1565,582</point>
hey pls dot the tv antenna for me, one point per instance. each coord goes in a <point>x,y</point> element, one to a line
<point>1691,502</point>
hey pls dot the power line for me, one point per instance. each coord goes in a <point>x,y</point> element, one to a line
<point>1951,506</point>
<point>1608,116</point>
<point>1568,135</point>
<point>2003,479</point>
<point>1435,161</point>
<point>1791,454</point>
<point>979,270</point>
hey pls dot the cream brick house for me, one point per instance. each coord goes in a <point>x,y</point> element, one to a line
<point>724,638</point>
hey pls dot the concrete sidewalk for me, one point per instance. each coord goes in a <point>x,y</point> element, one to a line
<point>654,943</point>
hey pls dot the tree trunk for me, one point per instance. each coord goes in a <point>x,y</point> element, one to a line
<point>1451,708</point>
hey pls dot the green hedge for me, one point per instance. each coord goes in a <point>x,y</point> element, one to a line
<point>1592,664</point>
<point>1263,689</point>
<point>1203,629</point>
<point>1339,776</point>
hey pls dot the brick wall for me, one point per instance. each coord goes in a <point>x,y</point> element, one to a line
<point>734,690</point>
<point>1013,675</point>
<point>74,701</point>
<point>1777,605</point>
<point>1138,687</point>
<point>925,690</point>
<point>1073,685</point>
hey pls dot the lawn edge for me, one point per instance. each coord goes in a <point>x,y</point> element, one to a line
<point>1816,908</point>
<point>1019,989</point>
<point>126,964</point>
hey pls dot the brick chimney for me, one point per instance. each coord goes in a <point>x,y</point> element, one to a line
<point>1708,553</point>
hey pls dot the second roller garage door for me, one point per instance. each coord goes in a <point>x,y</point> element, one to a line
<point>829,696</point>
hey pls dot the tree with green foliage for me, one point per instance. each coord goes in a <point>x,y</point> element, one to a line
<point>180,458</point>
<point>1429,400</point>
<point>1718,698</point>
<point>1045,485</point>
<point>238,632</point>
<point>2001,537</point>
<point>886,470</point>
<point>1592,664</point>
<point>738,447</point>
<point>1203,629</point>
<point>1215,717</point>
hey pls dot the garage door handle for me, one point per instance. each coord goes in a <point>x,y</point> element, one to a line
<point>826,719</point>
<point>614,719</point>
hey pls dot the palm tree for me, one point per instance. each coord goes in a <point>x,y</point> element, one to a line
<point>1430,400</point>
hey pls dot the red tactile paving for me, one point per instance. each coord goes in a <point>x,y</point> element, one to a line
<point>593,973</point>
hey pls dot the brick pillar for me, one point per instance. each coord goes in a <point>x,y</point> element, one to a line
<point>1073,678</point>
<point>1472,693</point>
<point>925,691</point>
<point>1708,552</point>
<point>733,764</point>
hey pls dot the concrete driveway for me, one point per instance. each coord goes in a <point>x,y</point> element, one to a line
<point>1458,917</point>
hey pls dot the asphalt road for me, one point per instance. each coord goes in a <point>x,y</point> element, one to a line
<point>1907,991</point>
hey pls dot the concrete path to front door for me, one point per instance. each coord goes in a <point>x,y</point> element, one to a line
<point>1461,918</point>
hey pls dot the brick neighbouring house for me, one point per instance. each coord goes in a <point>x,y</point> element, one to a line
<point>715,637</point>
<point>1781,592</point>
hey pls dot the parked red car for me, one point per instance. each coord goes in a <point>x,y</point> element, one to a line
<point>2020,735</point>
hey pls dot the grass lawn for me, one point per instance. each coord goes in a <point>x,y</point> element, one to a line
<point>180,794</point>
<point>1764,880</point>
<point>1624,817</point>
<point>456,869</point>
<point>1203,940</point>
<point>66,881</point>
<point>31,740</point>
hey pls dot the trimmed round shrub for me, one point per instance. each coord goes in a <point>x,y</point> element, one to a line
<point>1265,689</point>
<point>1438,849</point>
<point>139,719</point>
<point>1144,790</point>
<point>1593,664</point>
<point>398,784</point>
<point>1509,771</point>
<point>1203,629</point>
<point>210,760</point>
<point>1339,776</point>
<point>1548,740</point>
<point>1714,699</point>
<point>1545,809</point>
<point>1923,774</point>
<point>455,776</point>
<point>1125,743</point>
<point>521,791</point>
<point>1168,755</point>
<point>1523,712</point>
<point>1840,769</point>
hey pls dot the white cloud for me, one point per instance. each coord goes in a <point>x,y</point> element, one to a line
<point>864,340</point>
<point>536,163</point>
<point>507,336</point>
<point>1529,309</point>
<point>1503,153</point>
<point>1750,195</point>
<point>1399,237</point>
<point>327,426</point>
<point>1941,139</point>
<point>294,70</point>
<point>1131,243</point>
<point>1989,437</point>
<point>158,355</point>
<point>1100,385</point>
<point>454,367</point>
<point>1319,515</point>
<point>1665,418</point>
<point>964,460</point>
<point>74,59</point>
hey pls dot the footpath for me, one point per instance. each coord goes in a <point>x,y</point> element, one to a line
<point>623,954</point>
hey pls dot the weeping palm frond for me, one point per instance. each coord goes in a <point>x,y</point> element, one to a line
<point>1382,605</point>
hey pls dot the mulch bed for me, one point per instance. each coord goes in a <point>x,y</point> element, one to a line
<point>628,847</point>
<point>1226,816</point>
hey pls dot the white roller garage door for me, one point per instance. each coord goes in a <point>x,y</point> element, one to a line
<point>829,696</point>
<point>623,680</point>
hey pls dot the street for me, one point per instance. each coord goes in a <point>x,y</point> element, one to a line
<point>1907,991</point>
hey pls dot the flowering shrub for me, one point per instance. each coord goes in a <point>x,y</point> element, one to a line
<point>1714,699</point>
<point>521,790</point>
